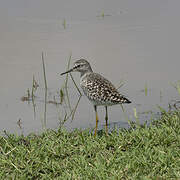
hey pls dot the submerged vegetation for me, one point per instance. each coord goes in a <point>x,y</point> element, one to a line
<point>64,24</point>
<point>144,152</point>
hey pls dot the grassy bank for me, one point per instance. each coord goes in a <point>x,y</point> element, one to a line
<point>142,153</point>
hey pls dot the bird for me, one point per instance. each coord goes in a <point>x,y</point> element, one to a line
<point>99,90</point>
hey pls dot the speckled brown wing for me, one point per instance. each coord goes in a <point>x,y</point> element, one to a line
<point>100,91</point>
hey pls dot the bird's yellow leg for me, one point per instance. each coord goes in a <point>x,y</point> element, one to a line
<point>106,118</point>
<point>95,108</point>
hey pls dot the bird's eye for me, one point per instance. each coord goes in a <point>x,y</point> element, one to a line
<point>78,66</point>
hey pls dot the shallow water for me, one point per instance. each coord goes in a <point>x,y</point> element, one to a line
<point>135,42</point>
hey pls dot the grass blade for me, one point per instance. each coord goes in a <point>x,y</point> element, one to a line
<point>45,84</point>
<point>66,82</point>
<point>75,84</point>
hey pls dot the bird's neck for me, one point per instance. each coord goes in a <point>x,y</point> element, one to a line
<point>86,72</point>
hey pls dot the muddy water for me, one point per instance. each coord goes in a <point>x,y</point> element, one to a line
<point>131,42</point>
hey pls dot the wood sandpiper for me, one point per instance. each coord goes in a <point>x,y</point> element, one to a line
<point>99,90</point>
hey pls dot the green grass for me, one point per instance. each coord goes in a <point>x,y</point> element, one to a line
<point>142,153</point>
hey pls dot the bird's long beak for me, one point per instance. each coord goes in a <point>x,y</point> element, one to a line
<point>67,71</point>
